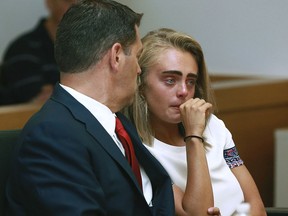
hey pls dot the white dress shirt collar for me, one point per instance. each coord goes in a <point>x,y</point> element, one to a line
<point>101,112</point>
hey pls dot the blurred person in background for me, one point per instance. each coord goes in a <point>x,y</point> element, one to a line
<point>29,71</point>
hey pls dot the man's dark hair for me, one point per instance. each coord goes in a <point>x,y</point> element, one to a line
<point>89,29</point>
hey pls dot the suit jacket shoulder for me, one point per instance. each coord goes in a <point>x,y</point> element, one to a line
<point>66,158</point>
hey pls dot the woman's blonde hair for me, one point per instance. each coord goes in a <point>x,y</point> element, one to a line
<point>154,43</point>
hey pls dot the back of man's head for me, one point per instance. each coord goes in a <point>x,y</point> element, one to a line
<point>89,29</point>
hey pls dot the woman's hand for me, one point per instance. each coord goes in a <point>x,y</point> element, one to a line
<point>214,211</point>
<point>198,194</point>
<point>193,114</point>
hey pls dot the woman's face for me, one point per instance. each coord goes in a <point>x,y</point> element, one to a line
<point>169,83</point>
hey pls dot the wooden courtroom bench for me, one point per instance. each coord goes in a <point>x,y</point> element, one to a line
<point>252,109</point>
<point>15,116</point>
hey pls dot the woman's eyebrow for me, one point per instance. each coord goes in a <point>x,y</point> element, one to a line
<point>173,72</point>
<point>179,73</point>
<point>192,75</point>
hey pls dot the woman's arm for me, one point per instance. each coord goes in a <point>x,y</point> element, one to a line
<point>250,190</point>
<point>198,195</point>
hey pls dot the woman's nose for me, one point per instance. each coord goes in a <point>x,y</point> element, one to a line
<point>182,90</point>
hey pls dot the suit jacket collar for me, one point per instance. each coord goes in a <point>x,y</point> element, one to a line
<point>159,178</point>
<point>145,158</point>
<point>94,128</point>
<point>163,201</point>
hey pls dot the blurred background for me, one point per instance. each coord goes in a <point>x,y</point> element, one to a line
<point>238,37</point>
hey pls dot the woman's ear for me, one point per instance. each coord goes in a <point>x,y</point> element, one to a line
<point>116,56</point>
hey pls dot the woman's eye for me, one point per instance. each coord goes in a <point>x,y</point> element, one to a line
<point>170,81</point>
<point>191,82</point>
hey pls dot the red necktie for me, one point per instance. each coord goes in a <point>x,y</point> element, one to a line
<point>129,150</point>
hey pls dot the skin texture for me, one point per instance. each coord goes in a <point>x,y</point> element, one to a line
<point>250,190</point>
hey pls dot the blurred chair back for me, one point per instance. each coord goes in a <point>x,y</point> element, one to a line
<point>276,211</point>
<point>8,140</point>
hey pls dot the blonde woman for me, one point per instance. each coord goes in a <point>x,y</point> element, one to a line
<point>173,115</point>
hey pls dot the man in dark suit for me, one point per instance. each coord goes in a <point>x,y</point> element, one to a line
<point>69,160</point>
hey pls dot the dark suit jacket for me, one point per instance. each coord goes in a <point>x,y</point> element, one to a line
<point>67,164</point>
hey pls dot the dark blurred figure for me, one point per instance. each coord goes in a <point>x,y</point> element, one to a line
<point>29,71</point>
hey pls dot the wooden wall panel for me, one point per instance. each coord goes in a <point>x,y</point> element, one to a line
<point>252,113</point>
<point>15,116</point>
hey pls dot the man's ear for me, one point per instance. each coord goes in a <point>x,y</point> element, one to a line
<point>116,55</point>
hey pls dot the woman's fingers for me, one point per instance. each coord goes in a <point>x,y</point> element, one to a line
<point>214,211</point>
<point>193,114</point>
